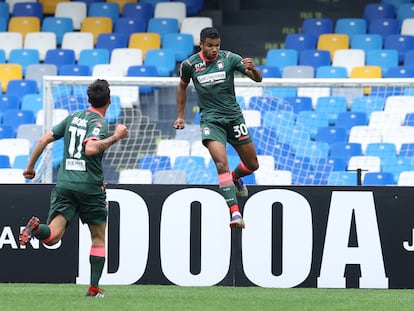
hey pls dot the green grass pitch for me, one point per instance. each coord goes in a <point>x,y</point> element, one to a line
<point>161,297</point>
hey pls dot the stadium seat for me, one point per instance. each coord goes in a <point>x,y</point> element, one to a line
<point>74,70</point>
<point>312,120</point>
<point>367,71</point>
<point>143,71</point>
<point>279,120</point>
<point>406,178</point>
<point>163,25</point>
<point>4,161</point>
<point>5,11</point>
<point>314,58</point>
<point>33,102</point>
<point>60,57</point>
<point>366,42</point>
<point>331,134</point>
<point>77,11</point>
<point>397,165</point>
<point>173,148</point>
<point>313,150</point>
<point>32,132</point>
<point>96,25</point>
<point>409,119</point>
<point>163,59</point>
<point>181,44</point>
<point>171,9</point>
<point>401,43</point>
<point>145,41</point>
<point>33,9</point>
<point>349,119</point>
<point>21,87</point>
<point>154,163</point>
<point>331,106</point>
<point>121,4</point>
<point>385,119</point>
<point>351,26</point>
<point>378,179</point>
<point>129,25</point>
<point>332,42</point>
<point>317,26</point>
<point>349,58</point>
<point>125,57</point>
<point>141,10</point>
<point>12,176</point>
<point>405,10</point>
<point>400,72</point>
<point>398,136</point>
<point>384,27</point>
<point>298,71</point>
<point>299,103</point>
<point>381,150</point>
<point>49,6</point>
<point>111,41</point>
<point>92,57</point>
<point>345,150</point>
<point>281,58</point>
<point>378,10</point>
<point>9,72</point>
<point>41,41</point>
<point>24,57</point>
<point>364,135</point>
<point>135,176</point>
<point>331,72</point>
<point>24,24</point>
<point>38,71</point>
<point>78,41</point>
<point>15,117</point>
<point>58,25</point>
<point>194,24</point>
<point>300,42</point>
<point>402,104</point>
<point>269,71</point>
<point>8,102</point>
<point>104,9</point>
<point>108,70</point>
<point>367,104</point>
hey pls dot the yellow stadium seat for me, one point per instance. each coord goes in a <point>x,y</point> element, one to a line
<point>24,24</point>
<point>366,72</point>
<point>122,3</point>
<point>145,41</point>
<point>96,26</point>
<point>9,72</point>
<point>332,42</point>
<point>49,6</point>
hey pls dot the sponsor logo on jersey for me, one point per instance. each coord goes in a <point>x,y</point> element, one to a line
<point>212,78</point>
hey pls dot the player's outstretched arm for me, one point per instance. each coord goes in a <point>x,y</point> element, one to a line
<point>181,100</point>
<point>94,147</point>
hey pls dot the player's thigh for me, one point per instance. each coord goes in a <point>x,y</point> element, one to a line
<point>62,203</point>
<point>93,209</point>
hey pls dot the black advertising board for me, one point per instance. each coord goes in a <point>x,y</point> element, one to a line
<point>322,237</point>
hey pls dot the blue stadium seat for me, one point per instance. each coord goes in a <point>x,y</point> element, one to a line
<point>331,134</point>
<point>384,58</point>
<point>279,120</point>
<point>5,11</point>
<point>60,57</point>
<point>111,41</point>
<point>312,120</point>
<point>313,150</point>
<point>348,119</point>
<point>384,27</point>
<point>378,10</point>
<point>266,103</point>
<point>300,103</point>
<point>34,9</point>
<point>396,3</point>
<point>92,57</point>
<point>33,102</point>
<point>163,59</point>
<point>143,71</point>
<point>6,131</point>
<point>342,178</point>
<point>129,25</point>
<point>21,87</point>
<point>269,71</point>
<point>15,117</point>
<point>163,25</point>
<point>317,26</point>
<point>351,26</point>
<point>154,163</point>
<point>397,165</point>
<point>405,10</point>
<point>300,42</point>
<point>114,111</point>
<point>337,164</point>
<point>331,72</point>
<point>345,150</point>
<point>296,135</point>
<point>193,6</point>
<point>141,10</point>
<point>366,42</point>
<point>24,57</point>
<point>180,43</point>
<point>367,104</point>
<point>409,119</point>
<point>378,179</point>
<point>8,102</point>
<point>382,150</point>
<point>400,72</point>
<point>74,70</point>
<point>331,106</point>
<point>281,58</point>
<point>401,43</point>
<point>58,25</point>
<point>4,160</point>
<point>315,58</point>
<point>72,102</point>
<point>105,9</point>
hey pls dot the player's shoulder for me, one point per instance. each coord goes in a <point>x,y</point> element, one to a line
<point>192,59</point>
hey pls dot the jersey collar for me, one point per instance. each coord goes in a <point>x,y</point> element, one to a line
<point>96,111</point>
<point>206,59</point>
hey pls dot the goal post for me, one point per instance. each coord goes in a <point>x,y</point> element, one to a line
<point>280,126</point>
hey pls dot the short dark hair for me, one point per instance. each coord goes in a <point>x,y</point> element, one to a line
<point>209,32</point>
<point>99,93</point>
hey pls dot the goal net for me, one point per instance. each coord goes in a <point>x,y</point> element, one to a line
<point>306,131</point>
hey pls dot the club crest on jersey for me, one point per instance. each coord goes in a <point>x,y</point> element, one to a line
<point>220,65</point>
<point>206,131</point>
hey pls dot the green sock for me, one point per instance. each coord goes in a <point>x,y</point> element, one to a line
<point>229,194</point>
<point>97,264</point>
<point>43,233</point>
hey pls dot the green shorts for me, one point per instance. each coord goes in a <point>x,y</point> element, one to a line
<point>92,208</point>
<point>224,130</point>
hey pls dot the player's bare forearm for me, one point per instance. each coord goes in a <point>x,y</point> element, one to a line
<point>252,71</point>
<point>181,101</point>
<point>94,147</point>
